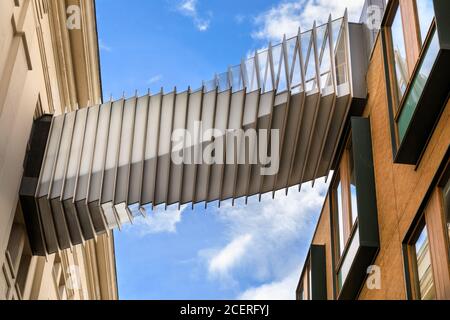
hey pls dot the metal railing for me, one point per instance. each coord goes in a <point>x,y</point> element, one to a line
<point>313,60</point>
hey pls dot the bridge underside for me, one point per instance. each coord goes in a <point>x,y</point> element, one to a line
<point>105,165</point>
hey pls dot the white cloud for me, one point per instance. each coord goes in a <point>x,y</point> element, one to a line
<point>278,290</point>
<point>266,240</point>
<point>155,79</point>
<point>103,46</point>
<point>240,18</point>
<point>288,16</point>
<point>226,259</point>
<point>156,222</point>
<point>189,8</point>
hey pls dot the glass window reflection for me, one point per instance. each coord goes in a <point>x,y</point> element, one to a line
<point>425,11</point>
<point>418,86</point>
<point>340,214</point>
<point>354,201</point>
<point>399,52</point>
<point>424,269</point>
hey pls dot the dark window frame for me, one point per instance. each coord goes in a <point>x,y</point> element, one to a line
<point>314,274</point>
<point>412,145</point>
<point>343,177</point>
<point>443,183</point>
<point>433,195</point>
<point>389,43</point>
<point>410,256</point>
<point>366,249</point>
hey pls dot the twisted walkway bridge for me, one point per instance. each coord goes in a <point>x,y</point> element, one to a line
<point>106,164</point>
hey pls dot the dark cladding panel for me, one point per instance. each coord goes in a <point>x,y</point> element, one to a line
<point>33,163</point>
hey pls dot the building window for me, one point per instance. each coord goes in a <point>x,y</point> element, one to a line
<point>420,264</point>
<point>427,269</point>
<point>304,288</point>
<point>353,198</point>
<point>346,213</point>
<point>313,282</point>
<point>417,86</point>
<point>340,215</point>
<point>415,54</point>
<point>446,202</point>
<point>422,267</point>
<point>353,210</point>
<point>399,54</point>
<point>346,209</point>
<point>425,12</point>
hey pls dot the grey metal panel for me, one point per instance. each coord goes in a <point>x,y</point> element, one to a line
<point>34,160</point>
<point>170,148</point>
<point>45,179</point>
<point>221,124</point>
<point>283,161</point>
<point>164,152</point>
<point>50,156</point>
<point>305,131</point>
<point>87,155</point>
<point>197,149</point>
<point>294,119</point>
<point>75,154</point>
<point>56,187</point>
<point>99,152</point>
<point>110,167</point>
<point>236,140</point>
<point>358,62</point>
<point>207,124</point>
<point>193,118</point>
<point>340,113</point>
<point>73,223</point>
<point>278,123</point>
<point>252,149</point>
<point>84,172</point>
<point>264,123</point>
<point>63,153</point>
<point>234,123</point>
<point>138,155</point>
<point>180,187</point>
<point>59,228</point>
<point>123,166</point>
<point>248,143</point>
<point>176,170</point>
<point>264,159</point>
<point>97,168</point>
<point>48,226</point>
<point>86,222</point>
<point>151,150</point>
<point>319,134</point>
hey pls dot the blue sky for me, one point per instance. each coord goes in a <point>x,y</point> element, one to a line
<point>250,252</point>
